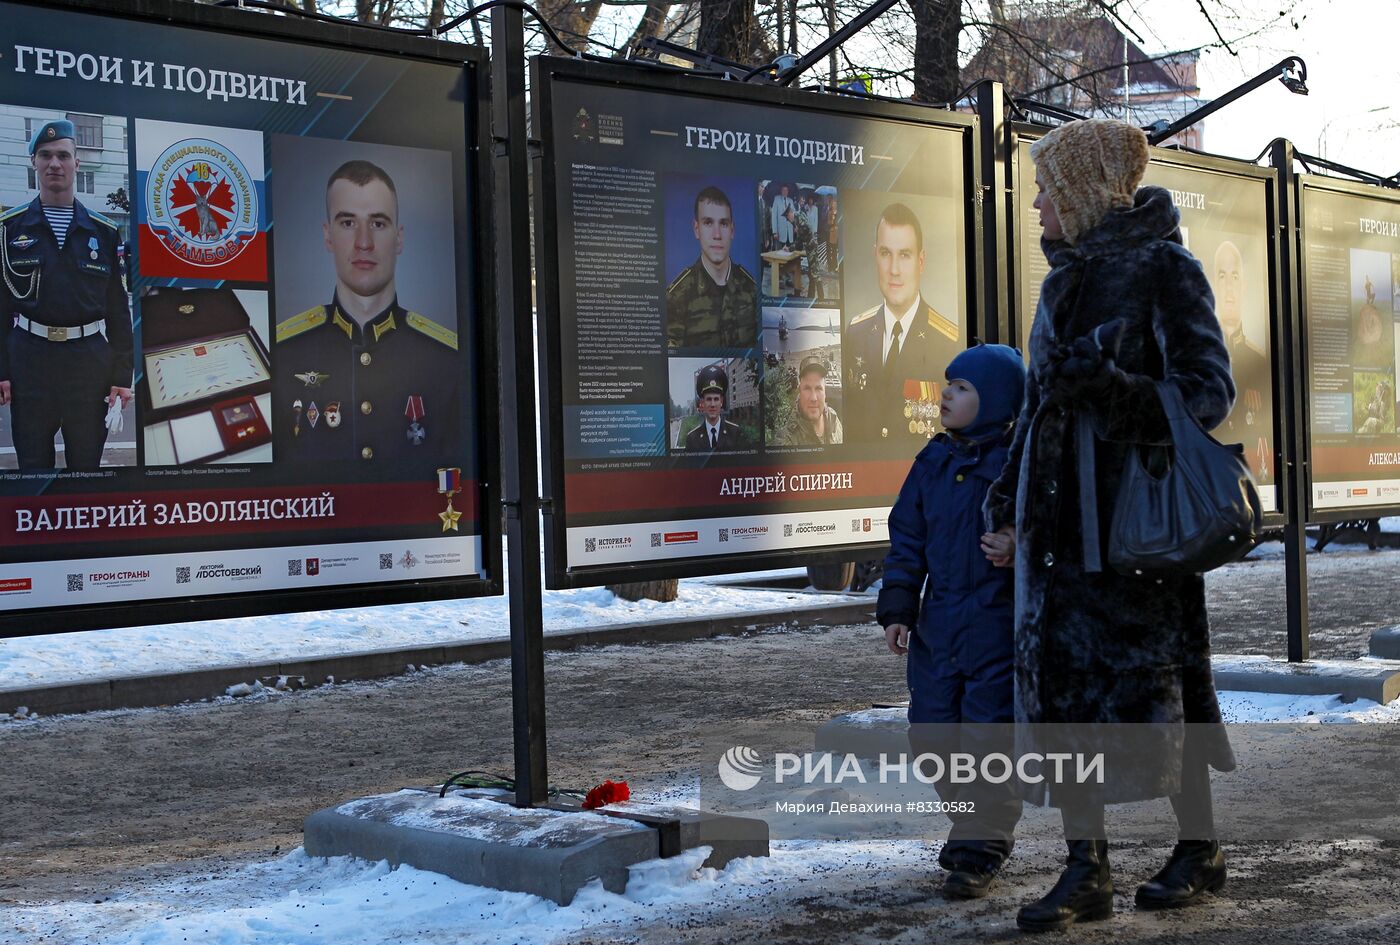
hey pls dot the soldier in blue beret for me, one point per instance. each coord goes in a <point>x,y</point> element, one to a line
<point>65,333</point>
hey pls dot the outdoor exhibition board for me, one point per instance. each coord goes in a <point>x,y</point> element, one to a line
<point>722,268</point>
<point>1228,217</point>
<point>277,229</point>
<point>1350,271</point>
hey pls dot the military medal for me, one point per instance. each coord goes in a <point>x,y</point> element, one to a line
<point>414,412</point>
<point>92,247</point>
<point>333,414</point>
<point>296,411</point>
<point>312,378</point>
<point>312,415</point>
<point>914,426</point>
<point>449,484</point>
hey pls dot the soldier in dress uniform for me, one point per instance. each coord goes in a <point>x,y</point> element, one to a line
<point>360,377</point>
<point>65,334</point>
<point>713,433</point>
<point>895,352</point>
<point>713,303</point>
<point>1250,417</point>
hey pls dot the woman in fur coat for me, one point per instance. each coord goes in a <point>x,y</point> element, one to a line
<point>1124,306</point>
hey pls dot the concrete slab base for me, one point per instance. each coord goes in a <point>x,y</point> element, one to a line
<point>683,828</point>
<point>1385,643</point>
<point>869,733</point>
<point>1377,680</point>
<point>478,837</point>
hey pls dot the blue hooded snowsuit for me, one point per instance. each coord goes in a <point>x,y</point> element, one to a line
<point>959,607</point>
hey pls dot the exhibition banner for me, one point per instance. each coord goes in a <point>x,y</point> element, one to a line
<point>1226,219</point>
<point>749,296</point>
<point>1351,290</point>
<point>241,346</point>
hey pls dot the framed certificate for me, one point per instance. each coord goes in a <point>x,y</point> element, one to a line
<point>199,370</point>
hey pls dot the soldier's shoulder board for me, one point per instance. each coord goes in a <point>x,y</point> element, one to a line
<point>13,211</point>
<point>307,320</point>
<point>942,325</point>
<point>864,316</point>
<point>1253,348</point>
<point>680,279</point>
<point>439,333</point>
<point>104,220</point>
<point>744,276</point>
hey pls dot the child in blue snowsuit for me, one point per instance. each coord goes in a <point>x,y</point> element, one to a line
<point>947,601</point>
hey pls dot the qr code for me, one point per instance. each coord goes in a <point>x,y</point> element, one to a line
<point>656,539</point>
<point>386,562</point>
<point>787,531</point>
<point>724,534</point>
<point>855,524</point>
<point>590,545</point>
<point>75,582</point>
<point>294,568</point>
<point>182,575</point>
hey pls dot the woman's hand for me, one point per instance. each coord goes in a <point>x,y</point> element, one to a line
<point>1000,546</point>
<point>897,638</point>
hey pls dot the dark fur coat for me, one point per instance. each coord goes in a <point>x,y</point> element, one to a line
<point>1103,647</point>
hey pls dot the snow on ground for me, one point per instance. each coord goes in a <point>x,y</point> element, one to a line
<point>1282,707</point>
<point>298,900</point>
<point>105,654</point>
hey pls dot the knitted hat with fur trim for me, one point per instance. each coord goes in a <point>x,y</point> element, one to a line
<point>1088,168</point>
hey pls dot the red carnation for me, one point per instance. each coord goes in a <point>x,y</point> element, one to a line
<point>609,792</point>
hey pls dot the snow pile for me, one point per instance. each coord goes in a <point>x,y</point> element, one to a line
<point>35,661</point>
<point>299,900</point>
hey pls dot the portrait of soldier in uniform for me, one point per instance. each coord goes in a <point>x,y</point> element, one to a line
<point>714,433</point>
<point>713,303</point>
<point>360,377</point>
<point>65,334</point>
<point>813,422</point>
<point>895,352</point>
<point>1250,418</point>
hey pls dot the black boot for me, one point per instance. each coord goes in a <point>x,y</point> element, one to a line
<point>971,878</point>
<point>1195,867</point>
<point>1083,893</point>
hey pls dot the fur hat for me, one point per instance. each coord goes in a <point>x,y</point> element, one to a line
<point>1088,168</point>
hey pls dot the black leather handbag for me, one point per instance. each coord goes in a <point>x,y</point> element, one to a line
<point>1201,511</point>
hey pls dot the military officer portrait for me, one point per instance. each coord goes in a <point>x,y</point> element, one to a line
<point>1251,416</point>
<point>359,377</point>
<point>712,302</point>
<point>894,353</point>
<point>713,433</point>
<point>65,337</point>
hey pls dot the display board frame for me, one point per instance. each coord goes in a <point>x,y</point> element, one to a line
<point>546,72</point>
<point>1303,185</point>
<point>1279,320</point>
<point>474,75</point>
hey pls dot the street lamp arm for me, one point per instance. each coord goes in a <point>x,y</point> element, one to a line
<point>1292,72</point>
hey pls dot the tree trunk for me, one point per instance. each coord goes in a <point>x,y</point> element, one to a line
<point>727,29</point>
<point>664,591</point>
<point>650,26</point>
<point>937,24</point>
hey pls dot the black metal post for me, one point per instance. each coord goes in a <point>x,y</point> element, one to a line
<point>520,504</point>
<point>996,316</point>
<point>1294,427</point>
